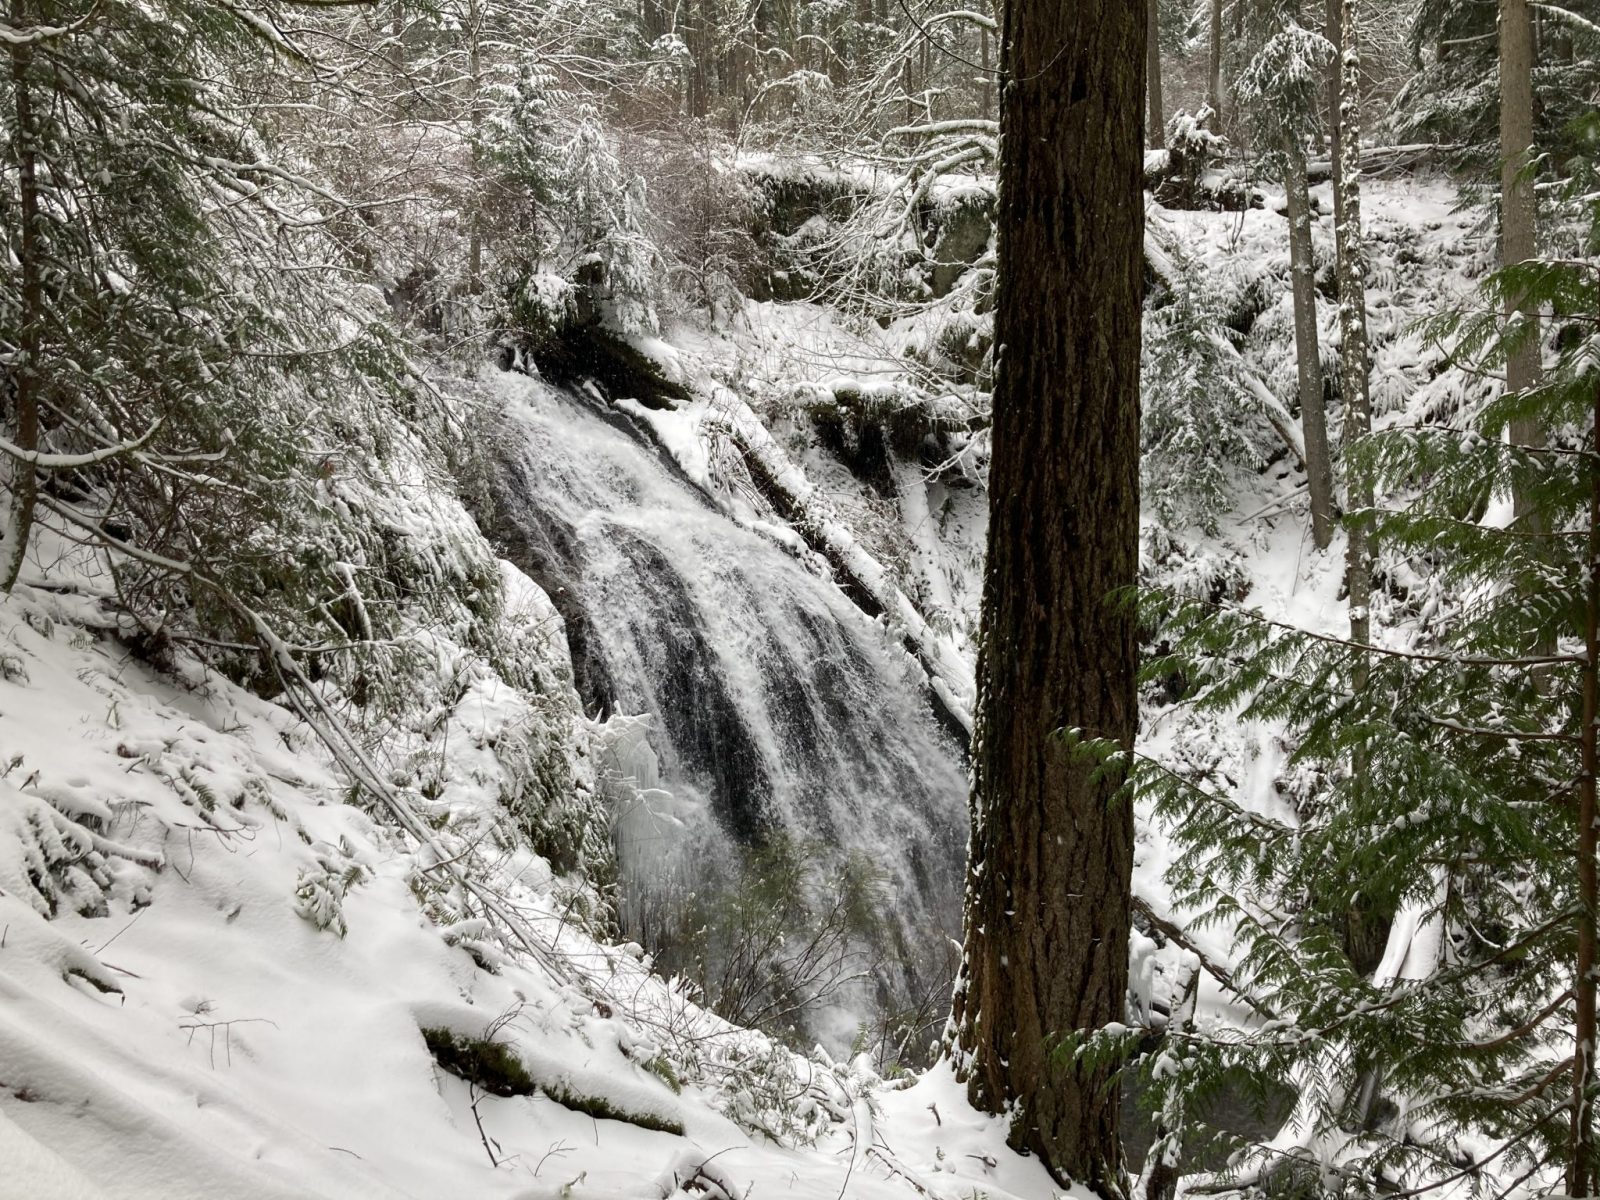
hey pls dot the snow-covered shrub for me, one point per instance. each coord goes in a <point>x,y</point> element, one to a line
<point>320,890</point>
<point>1196,431</point>
<point>535,307</point>
<point>1189,174</point>
<point>606,208</point>
<point>55,861</point>
<point>704,214</point>
<point>784,932</point>
<point>521,141</point>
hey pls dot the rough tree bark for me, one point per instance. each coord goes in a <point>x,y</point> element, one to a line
<point>1214,67</point>
<point>1302,275</point>
<point>1156,117</point>
<point>1353,382</point>
<point>1047,902</point>
<point>30,342</point>
<point>1517,232</point>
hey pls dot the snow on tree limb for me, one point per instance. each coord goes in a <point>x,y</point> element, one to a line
<point>64,462</point>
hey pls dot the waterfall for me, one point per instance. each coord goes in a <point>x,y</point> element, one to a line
<point>769,701</point>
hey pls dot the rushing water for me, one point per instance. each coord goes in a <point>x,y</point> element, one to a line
<point>772,701</point>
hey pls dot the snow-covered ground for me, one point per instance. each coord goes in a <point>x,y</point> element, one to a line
<point>216,959</point>
<point>184,1026</point>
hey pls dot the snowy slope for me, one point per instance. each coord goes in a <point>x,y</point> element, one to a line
<point>190,1022</point>
<point>183,1027</point>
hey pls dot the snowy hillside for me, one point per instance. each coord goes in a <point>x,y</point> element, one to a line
<point>218,973</point>
<point>245,954</point>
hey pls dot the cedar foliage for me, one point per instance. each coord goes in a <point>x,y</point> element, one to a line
<point>1454,1057</point>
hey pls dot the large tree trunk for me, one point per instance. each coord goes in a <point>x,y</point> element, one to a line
<point>1214,67</point>
<point>1047,904</point>
<point>1516,196</point>
<point>1302,275</point>
<point>1156,118</point>
<point>1353,382</point>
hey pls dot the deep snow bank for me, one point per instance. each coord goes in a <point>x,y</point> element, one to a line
<point>181,1017</point>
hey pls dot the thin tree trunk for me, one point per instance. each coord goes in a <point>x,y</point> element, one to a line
<point>1214,67</point>
<point>1517,234</point>
<point>1155,134</point>
<point>30,340</point>
<point>397,47</point>
<point>988,77</point>
<point>1048,897</point>
<point>1580,1151</point>
<point>475,82</point>
<point>1336,39</point>
<point>1353,322</point>
<point>1302,275</point>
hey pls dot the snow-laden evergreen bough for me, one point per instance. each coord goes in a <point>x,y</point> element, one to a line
<point>1416,943</point>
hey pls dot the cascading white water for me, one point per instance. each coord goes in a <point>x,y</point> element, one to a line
<point>773,701</point>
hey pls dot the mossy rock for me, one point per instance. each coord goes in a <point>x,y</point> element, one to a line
<point>588,352</point>
<point>490,1065</point>
<point>499,1070</point>
<point>602,1109</point>
<point>964,226</point>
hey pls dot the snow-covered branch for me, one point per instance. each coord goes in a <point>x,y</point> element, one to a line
<point>66,462</point>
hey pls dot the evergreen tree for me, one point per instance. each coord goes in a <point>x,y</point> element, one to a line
<point>1193,438</point>
<point>1463,1052</point>
<point>1280,84</point>
<point>187,373</point>
<point>525,177</point>
<point>1452,95</point>
<point>604,209</point>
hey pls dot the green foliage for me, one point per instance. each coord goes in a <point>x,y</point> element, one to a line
<point>606,208</point>
<point>602,1108</point>
<point>1284,83</point>
<point>494,1066</point>
<point>521,138</point>
<point>1436,795</point>
<point>193,291</point>
<point>1193,434</point>
<point>320,891</point>
<point>1452,95</point>
<point>497,1068</point>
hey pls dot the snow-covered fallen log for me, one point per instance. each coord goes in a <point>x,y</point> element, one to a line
<point>803,506</point>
